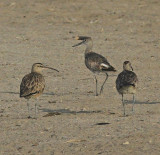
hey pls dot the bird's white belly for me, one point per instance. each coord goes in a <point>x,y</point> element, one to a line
<point>127,90</point>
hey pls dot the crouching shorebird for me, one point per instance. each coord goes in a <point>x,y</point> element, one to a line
<point>94,61</point>
<point>126,83</point>
<point>33,84</point>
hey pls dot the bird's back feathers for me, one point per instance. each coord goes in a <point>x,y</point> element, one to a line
<point>126,78</point>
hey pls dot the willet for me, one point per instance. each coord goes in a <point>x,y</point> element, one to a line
<point>94,61</point>
<point>126,82</point>
<point>33,84</point>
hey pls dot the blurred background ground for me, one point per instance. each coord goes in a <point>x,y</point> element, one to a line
<point>42,31</point>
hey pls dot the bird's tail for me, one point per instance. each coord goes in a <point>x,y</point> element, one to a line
<point>110,68</point>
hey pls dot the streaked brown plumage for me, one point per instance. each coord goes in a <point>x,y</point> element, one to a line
<point>126,82</point>
<point>33,84</point>
<point>94,61</point>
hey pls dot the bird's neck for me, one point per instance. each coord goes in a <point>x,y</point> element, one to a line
<point>89,47</point>
<point>128,69</point>
<point>36,71</point>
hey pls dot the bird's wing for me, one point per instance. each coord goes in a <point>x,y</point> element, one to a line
<point>97,61</point>
<point>31,84</point>
<point>107,67</point>
<point>104,64</point>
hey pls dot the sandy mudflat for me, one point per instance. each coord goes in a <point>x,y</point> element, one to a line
<point>41,31</point>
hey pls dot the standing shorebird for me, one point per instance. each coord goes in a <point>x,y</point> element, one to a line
<point>126,83</point>
<point>94,61</point>
<point>33,84</point>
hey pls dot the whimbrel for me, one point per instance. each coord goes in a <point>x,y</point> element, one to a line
<point>126,83</point>
<point>94,61</point>
<point>33,84</point>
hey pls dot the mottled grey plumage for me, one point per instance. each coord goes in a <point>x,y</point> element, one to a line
<point>33,84</point>
<point>126,82</point>
<point>94,61</point>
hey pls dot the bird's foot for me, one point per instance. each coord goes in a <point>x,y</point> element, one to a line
<point>132,110</point>
<point>101,91</point>
<point>125,115</point>
<point>29,117</point>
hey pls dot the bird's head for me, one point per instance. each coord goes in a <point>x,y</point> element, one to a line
<point>38,67</point>
<point>127,66</point>
<point>85,40</point>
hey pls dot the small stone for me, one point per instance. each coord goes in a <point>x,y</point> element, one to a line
<point>126,143</point>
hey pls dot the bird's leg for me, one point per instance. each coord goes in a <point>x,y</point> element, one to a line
<point>133,103</point>
<point>96,85</point>
<point>36,110</point>
<point>28,109</point>
<point>104,83</point>
<point>124,113</point>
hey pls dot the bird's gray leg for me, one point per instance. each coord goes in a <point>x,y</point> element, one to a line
<point>96,84</point>
<point>28,109</point>
<point>104,83</point>
<point>133,103</point>
<point>124,113</point>
<point>36,110</point>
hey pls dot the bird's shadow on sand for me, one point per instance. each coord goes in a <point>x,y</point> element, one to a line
<point>90,93</point>
<point>17,93</point>
<point>142,102</point>
<point>66,111</point>
<point>9,92</point>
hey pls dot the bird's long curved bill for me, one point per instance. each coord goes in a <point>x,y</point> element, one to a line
<point>51,68</point>
<point>132,68</point>
<point>78,43</point>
